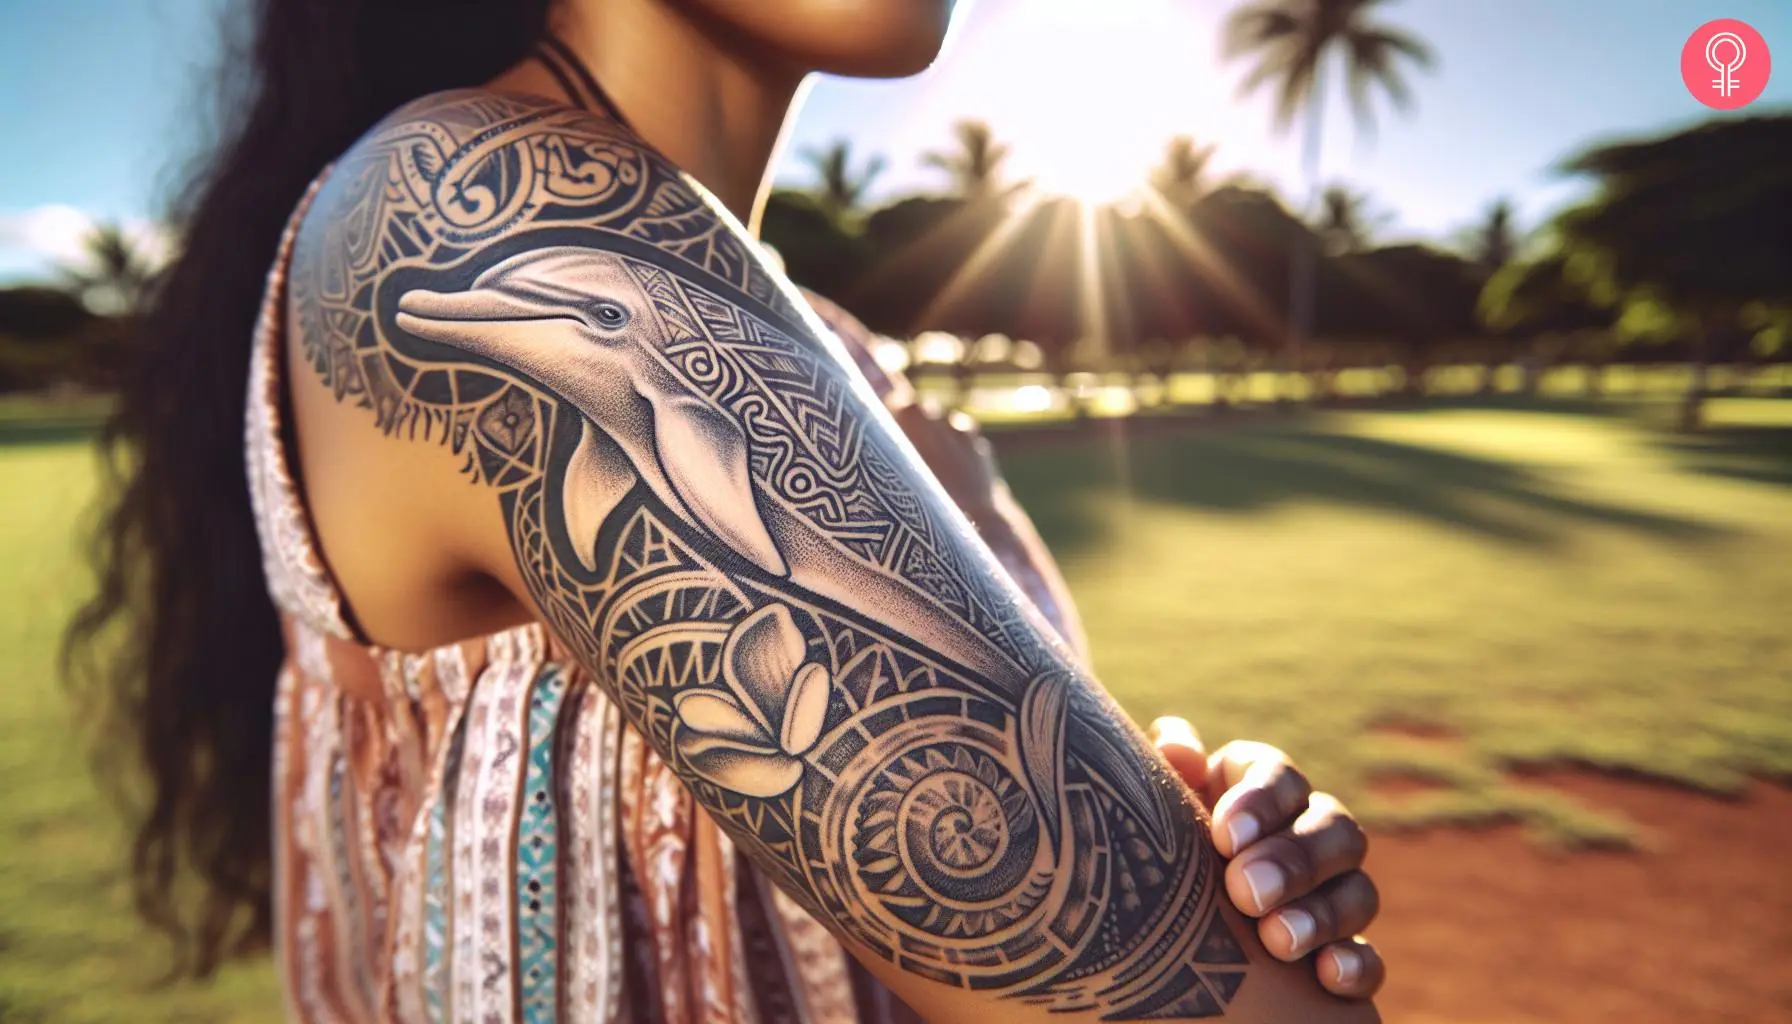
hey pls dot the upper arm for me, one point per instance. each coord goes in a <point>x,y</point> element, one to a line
<point>724,524</point>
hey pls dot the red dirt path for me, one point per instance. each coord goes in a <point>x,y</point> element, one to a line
<point>1484,926</point>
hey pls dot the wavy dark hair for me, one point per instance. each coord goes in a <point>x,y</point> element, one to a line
<point>173,660</point>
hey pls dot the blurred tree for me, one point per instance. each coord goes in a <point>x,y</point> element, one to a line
<point>1151,296</point>
<point>975,164</point>
<point>1182,175</point>
<point>1545,305</point>
<point>1421,297</point>
<point>47,337</point>
<point>925,257</point>
<point>114,274</point>
<point>37,313</point>
<point>1494,242</point>
<point>839,188</point>
<point>1245,237</point>
<point>1688,233</point>
<point>821,251</point>
<point>1291,41</point>
<point>1347,221</point>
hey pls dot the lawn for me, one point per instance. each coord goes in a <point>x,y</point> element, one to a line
<point>1439,597</point>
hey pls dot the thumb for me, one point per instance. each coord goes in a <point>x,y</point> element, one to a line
<point>1176,740</point>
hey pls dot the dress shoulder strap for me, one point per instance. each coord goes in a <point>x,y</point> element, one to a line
<point>298,580</point>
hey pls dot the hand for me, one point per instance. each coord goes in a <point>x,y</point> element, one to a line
<point>1296,855</point>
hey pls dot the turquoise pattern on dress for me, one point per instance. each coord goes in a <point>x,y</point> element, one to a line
<point>435,893</point>
<point>537,925</point>
<point>342,812</point>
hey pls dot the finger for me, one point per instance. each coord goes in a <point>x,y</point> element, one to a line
<point>1339,909</point>
<point>1323,843</point>
<point>1351,968</point>
<point>1262,799</point>
<point>1334,841</point>
<point>1177,740</point>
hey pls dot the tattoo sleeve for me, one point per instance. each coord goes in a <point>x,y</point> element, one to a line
<point>715,514</point>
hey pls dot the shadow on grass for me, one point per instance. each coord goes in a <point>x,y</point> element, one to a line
<point>1256,467</point>
<point>1561,405</point>
<point>32,432</point>
<point>1761,455</point>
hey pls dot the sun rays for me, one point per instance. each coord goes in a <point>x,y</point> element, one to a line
<point>1114,276</point>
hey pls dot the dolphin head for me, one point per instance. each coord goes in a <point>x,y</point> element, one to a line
<point>578,321</point>
<point>572,305</point>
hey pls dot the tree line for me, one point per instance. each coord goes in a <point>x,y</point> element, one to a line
<point>1682,251</point>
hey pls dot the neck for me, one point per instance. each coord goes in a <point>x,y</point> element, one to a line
<point>715,110</point>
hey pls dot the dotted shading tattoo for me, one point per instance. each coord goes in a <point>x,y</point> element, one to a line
<point>707,512</point>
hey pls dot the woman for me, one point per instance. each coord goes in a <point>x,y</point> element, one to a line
<point>706,682</point>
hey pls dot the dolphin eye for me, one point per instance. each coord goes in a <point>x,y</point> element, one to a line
<point>611,316</point>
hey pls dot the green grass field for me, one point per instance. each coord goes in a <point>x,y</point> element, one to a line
<point>1440,596</point>
<point>69,948</point>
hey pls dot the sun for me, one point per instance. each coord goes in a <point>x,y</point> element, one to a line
<point>1087,92</point>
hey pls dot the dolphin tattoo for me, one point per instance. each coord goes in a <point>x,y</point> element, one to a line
<point>576,320</point>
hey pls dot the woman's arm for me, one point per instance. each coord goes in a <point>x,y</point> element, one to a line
<point>726,527</point>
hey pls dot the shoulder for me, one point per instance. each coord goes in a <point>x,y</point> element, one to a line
<point>463,174</point>
<point>452,185</point>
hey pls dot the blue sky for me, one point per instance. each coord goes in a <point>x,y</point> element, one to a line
<point>104,96</point>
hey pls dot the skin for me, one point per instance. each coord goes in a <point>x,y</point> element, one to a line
<point>425,560</point>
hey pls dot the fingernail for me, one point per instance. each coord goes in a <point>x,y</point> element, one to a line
<point>1243,830</point>
<point>1299,925</point>
<point>1266,883</point>
<point>1349,966</point>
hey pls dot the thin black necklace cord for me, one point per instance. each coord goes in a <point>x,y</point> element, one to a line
<point>559,59</point>
<point>546,59</point>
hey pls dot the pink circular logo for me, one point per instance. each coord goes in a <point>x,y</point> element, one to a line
<point>1725,64</point>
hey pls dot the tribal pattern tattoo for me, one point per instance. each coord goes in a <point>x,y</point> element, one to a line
<point>711,512</point>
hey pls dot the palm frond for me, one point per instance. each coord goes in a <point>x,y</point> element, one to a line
<point>1254,26</point>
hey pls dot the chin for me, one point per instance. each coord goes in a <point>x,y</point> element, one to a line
<point>854,38</point>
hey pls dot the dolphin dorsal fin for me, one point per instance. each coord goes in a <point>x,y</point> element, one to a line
<point>704,455</point>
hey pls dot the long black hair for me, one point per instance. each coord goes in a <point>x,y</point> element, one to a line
<point>174,658</point>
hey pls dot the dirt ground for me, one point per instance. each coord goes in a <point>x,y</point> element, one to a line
<point>1484,926</point>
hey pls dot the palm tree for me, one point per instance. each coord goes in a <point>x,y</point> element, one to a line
<point>839,188</point>
<point>975,165</point>
<point>1181,177</point>
<point>114,274</point>
<point>1347,220</point>
<point>1494,242</point>
<point>1291,41</point>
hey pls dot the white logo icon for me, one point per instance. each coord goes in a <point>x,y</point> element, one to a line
<point>1725,83</point>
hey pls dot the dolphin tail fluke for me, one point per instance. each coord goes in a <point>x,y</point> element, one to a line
<point>1097,744</point>
<point>1043,711</point>
<point>597,476</point>
<point>704,455</point>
